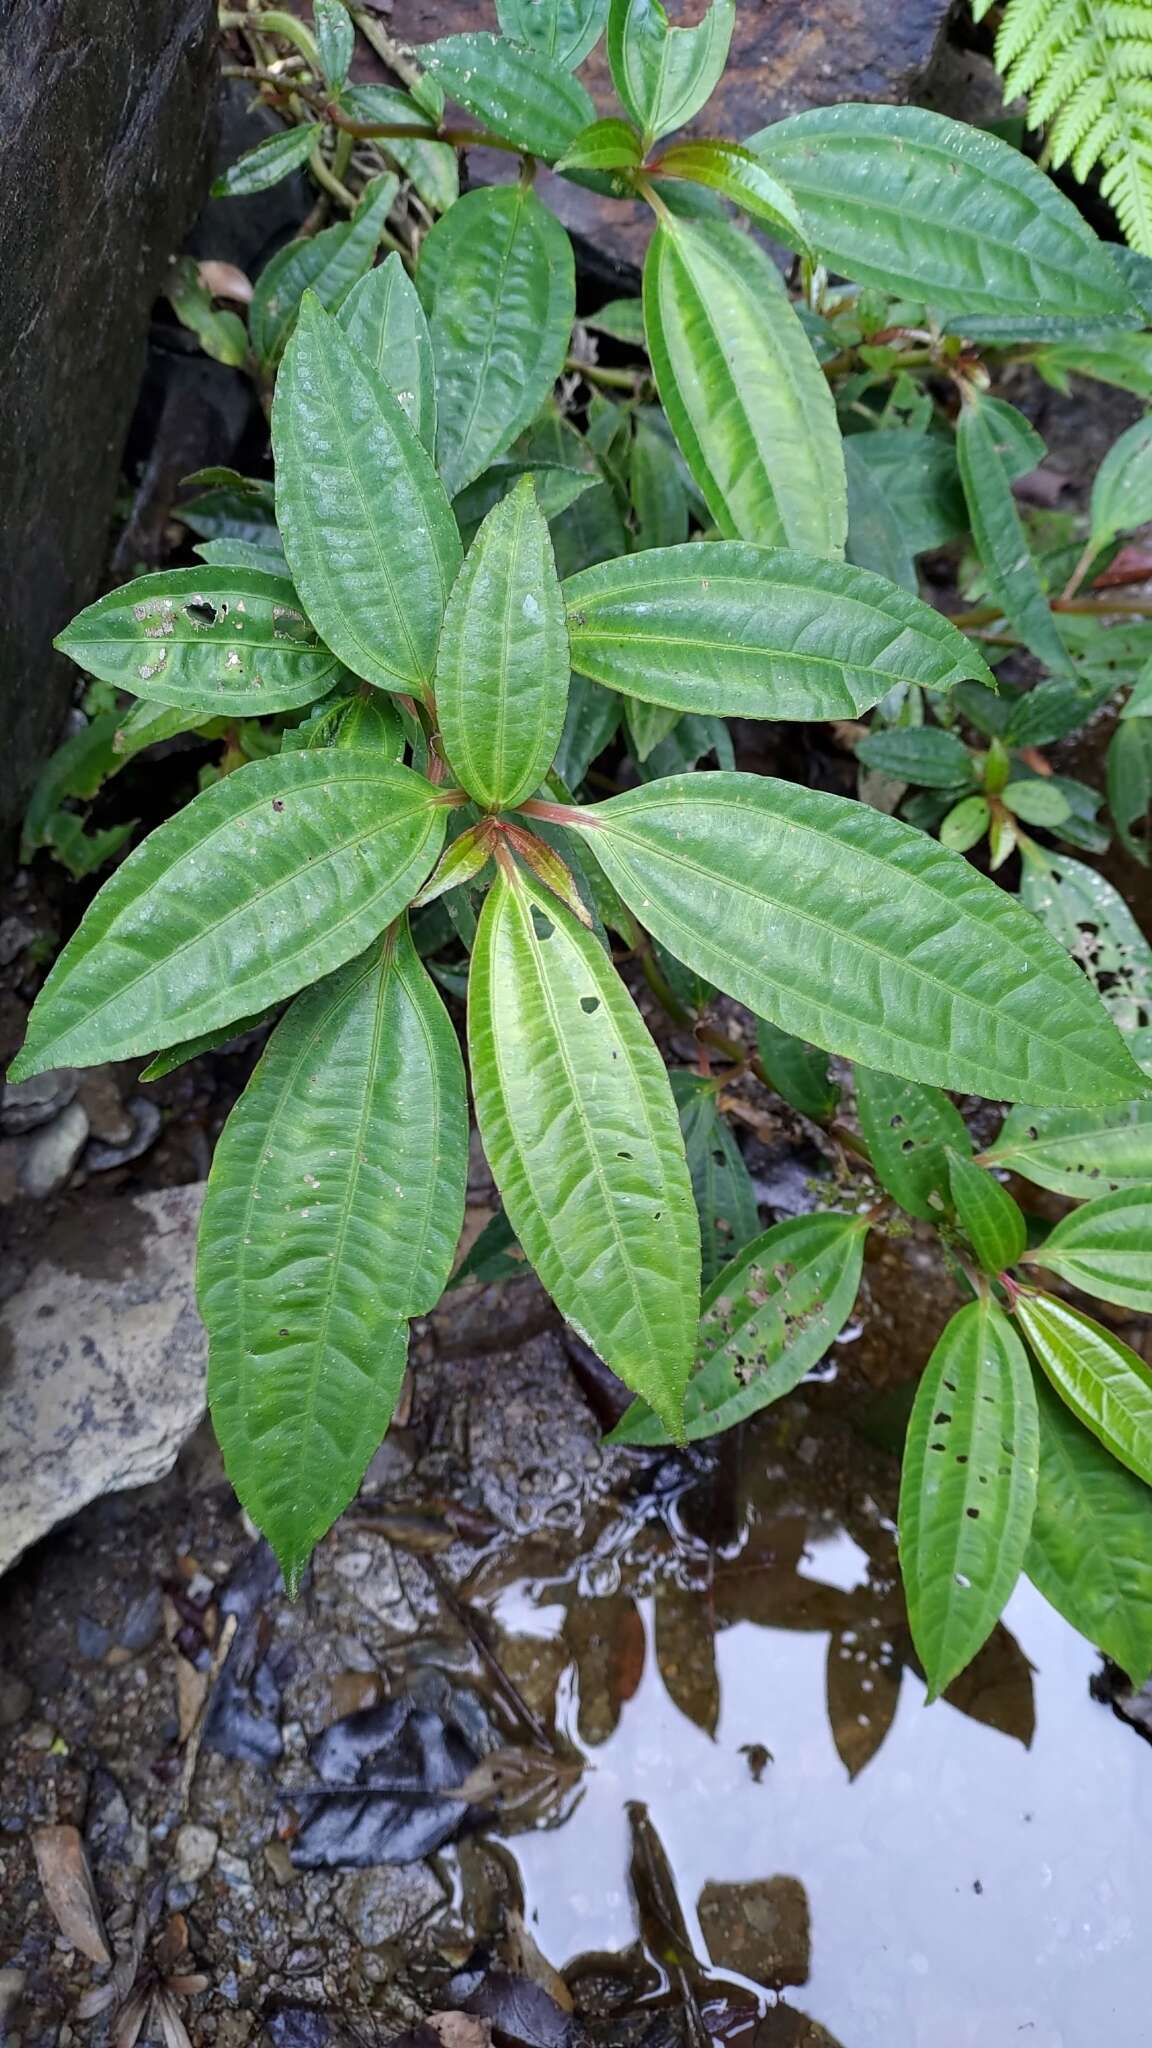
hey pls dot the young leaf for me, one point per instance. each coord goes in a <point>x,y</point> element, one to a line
<point>502,669</point>
<point>750,632</point>
<point>925,754</point>
<point>909,1131</point>
<point>365,522</point>
<point>857,932</point>
<point>797,1071</point>
<point>273,876</point>
<point>965,824</point>
<point>519,92</point>
<point>603,146</point>
<point>579,1127</point>
<point>1122,487</point>
<point>333,1212</point>
<point>1091,1547</point>
<point>766,1320</point>
<point>1130,785</point>
<point>664,75</point>
<point>565,30</point>
<point>1037,800</point>
<point>1078,1152</point>
<point>204,641</point>
<point>1001,542</point>
<point>335,40</point>
<point>326,265</point>
<point>991,1221</point>
<point>967,1489</point>
<point>497,280</point>
<point>268,163</point>
<point>745,396</point>
<point>933,210</point>
<point>737,175</point>
<point>1105,1248</point>
<point>467,856</point>
<point>721,1183</point>
<point>1100,1379</point>
<point>383,318</point>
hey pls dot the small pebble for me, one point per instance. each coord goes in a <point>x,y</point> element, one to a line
<point>53,1152</point>
<point>194,1850</point>
<point>24,1105</point>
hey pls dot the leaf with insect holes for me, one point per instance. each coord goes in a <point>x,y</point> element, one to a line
<point>967,1488</point>
<point>857,932</point>
<point>325,265</point>
<point>1010,572</point>
<point>1091,1547</point>
<point>565,30</point>
<point>383,318</point>
<point>1102,1380</point>
<point>768,1317</point>
<point>1078,1152</point>
<point>273,876</point>
<point>721,1183</point>
<point>1093,922</point>
<point>941,213</point>
<point>204,641</point>
<point>502,668</point>
<point>908,1131</point>
<point>992,1222</point>
<point>1122,486</point>
<point>753,632</point>
<point>579,1126</point>
<point>1105,1248</point>
<point>333,1212</point>
<point>664,75</point>
<point>519,92</point>
<point>747,400</point>
<point>268,163</point>
<point>366,525</point>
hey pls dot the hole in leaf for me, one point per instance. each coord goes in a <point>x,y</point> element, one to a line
<point>541,925</point>
<point>623,1155</point>
<point>587,1003</point>
<point>199,611</point>
<point>973,1514</point>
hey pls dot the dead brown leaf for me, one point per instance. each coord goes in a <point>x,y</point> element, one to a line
<point>63,1870</point>
<point>225,281</point>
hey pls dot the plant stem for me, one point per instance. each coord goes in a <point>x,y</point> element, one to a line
<point>595,373</point>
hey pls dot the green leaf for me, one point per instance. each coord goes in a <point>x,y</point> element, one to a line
<point>737,175</point>
<point>925,754</point>
<point>1011,574</point>
<point>991,1221</point>
<point>920,481</point>
<point>519,93</point>
<point>273,876</point>
<point>622,319</point>
<point>268,163</point>
<point>721,1183</point>
<point>187,1049</point>
<point>1105,1248</point>
<point>1103,1381</point>
<point>1130,785</point>
<point>333,1212</point>
<point>565,30</point>
<point>335,39</point>
<point>580,1129</point>
<point>647,726</point>
<point>875,537</point>
<point>611,145</point>
<point>1091,919</point>
<point>1091,1548</point>
<point>1037,800</point>
<point>222,335</point>
<point>936,211</point>
<point>383,318</point>
<point>206,641</point>
<point>965,824</point>
<point>1122,488</point>
<point>656,488</point>
<point>1078,1152</point>
<point>767,1319</point>
<point>909,1132</point>
<point>797,1071</point>
<point>967,1489</point>
<point>591,720</point>
<point>498,283</point>
<point>1139,704</point>
<point>145,725</point>
<point>1020,448</point>
<point>365,522</point>
<point>327,265</point>
<point>430,167</point>
<point>855,931</point>
<point>745,396</point>
<point>242,554</point>
<point>750,632</point>
<point>502,669</point>
<point>664,75</point>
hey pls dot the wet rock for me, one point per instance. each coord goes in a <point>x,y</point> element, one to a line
<point>759,1930</point>
<point>143,1621</point>
<point>108,1120</point>
<point>52,1154</point>
<point>390,1768</point>
<point>103,1358</point>
<point>298,2026</point>
<point>194,1851</point>
<point>15,1699</point>
<point>521,2014</point>
<point>386,1905</point>
<point>25,1104</point>
<point>144,1121</point>
<point>93,1640</point>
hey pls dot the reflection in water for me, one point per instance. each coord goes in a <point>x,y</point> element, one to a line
<point>770,1819</point>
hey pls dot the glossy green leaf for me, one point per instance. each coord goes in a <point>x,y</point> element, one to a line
<point>275,158</point>
<point>145,725</point>
<point>1036,799</point>
<point>1078,1152</point>
<point>1091,919</point>
<point>273,876</point>
<point>1122,486</point>
<point>939,212</point>
<point>1091,1547</point>
<point>855,931</point>
<point>611,145</point>
<point>1105,1248</point>
<point>744,394</point>
<point>797,1071</point>
<point>924,754</point>
<point>363,516</point>
<point>205,641</point>
<point>580,1129</point>
<point>752,632</point>
<point>1130,786</point>
<point>965,824</point>
<point>333,1212</point>
<point>918,476</point>
<point>502,669</point>
<point>664,75</point>
<point>721,1183</point>
<point>431,168</point>
<point>767,1319</point>
<point>466,858</point>
<point>967,1488</point>
<point>517,91</point>
<point>335,39</point>
<point>242,554</point>
<point>326,264</point>
<point>1010,572</point>
<point>647,725</point>
<point>566,30</point>
<point>383,318</point>
<point>909,1131</point>
<point>1102,1380</point>
<point>186,1049</point>
<point>372,722</point>
<point>497,280</point>
<point>737,175</point>
<point>991,1221</point>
